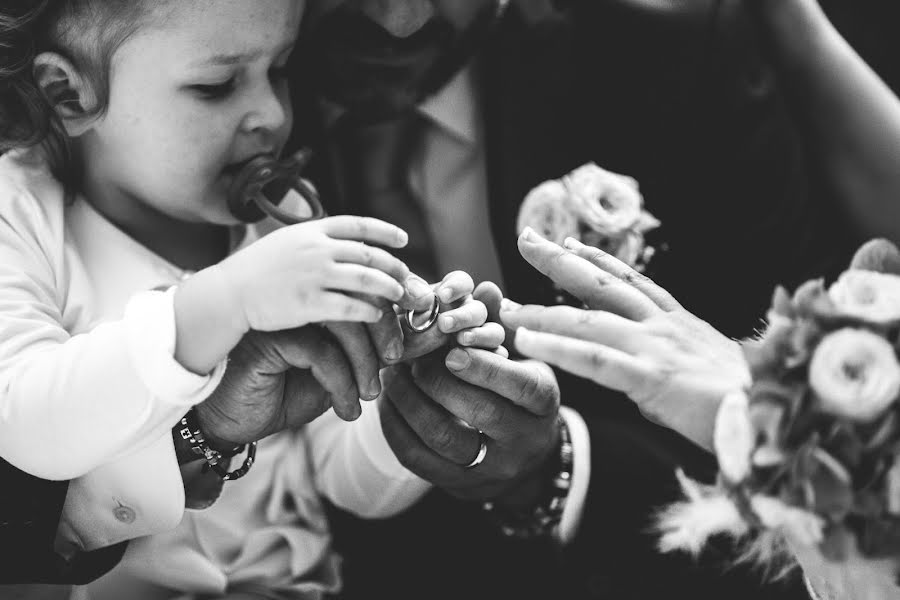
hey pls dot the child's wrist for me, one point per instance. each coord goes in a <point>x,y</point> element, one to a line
<point>206,322</point>
<point>227,291</point>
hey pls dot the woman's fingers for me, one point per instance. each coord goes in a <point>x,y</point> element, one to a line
<point>489,336</point>
<point>364,229</point>
<point>607,366</point>
<point>471,314</point>
<point>349,277</point>
<point>347,251</point>
<point>595,287</point>
<point>454,287</point>
<point>595,326</point>
<point>614,266</point>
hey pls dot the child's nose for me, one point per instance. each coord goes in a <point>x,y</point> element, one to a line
<point>268,113</point>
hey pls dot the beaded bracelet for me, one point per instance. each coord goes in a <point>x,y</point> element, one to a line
<point>546,516</point>
<point>190,431</point>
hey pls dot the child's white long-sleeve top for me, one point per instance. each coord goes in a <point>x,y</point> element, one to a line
<point>89,391</point>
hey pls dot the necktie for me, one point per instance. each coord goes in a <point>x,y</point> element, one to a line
<point>376,159</point>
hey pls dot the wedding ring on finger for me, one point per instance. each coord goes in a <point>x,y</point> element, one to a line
<point>482,451</point>
<point>429,322</point>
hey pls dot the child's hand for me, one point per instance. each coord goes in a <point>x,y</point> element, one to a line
<point>461,316</point>
<point>316,271</point>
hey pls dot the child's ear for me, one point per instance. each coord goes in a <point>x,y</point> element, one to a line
<point>66,90</point>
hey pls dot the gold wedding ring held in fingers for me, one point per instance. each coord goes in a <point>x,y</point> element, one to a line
<point>482,451</point>
<point>429,322</point>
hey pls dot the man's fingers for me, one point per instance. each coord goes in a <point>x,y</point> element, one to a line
<point>471,314</point>
<point>489,336</point>
<point>322,355</point>
<point>362,355</point>
<point>443,433</point>
<point>454,287</point>
<point>614,266</point>
<point>591,325</point>
<point>418,294</point>
<point>607,366</point>
<point>528,385</point>
<point>386,334</point>
<point>594,286</point>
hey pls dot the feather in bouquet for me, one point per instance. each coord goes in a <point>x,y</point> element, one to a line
<point>808,455</point>
<point>595,206</point>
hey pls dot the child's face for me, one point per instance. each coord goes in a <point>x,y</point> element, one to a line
<point>193,96</point>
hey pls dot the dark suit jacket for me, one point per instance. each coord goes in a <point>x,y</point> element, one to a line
<point>684,104</point>
<point>29,515</point>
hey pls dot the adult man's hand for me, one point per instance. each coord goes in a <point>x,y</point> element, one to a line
<point>636,338</point>
<point>431,414</point>
<point>282,379</point>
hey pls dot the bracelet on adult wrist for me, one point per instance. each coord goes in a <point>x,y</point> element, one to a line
<point>190,431</point>
<point>545,517</point>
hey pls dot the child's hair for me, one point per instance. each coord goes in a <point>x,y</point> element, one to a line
<point>85,32</point>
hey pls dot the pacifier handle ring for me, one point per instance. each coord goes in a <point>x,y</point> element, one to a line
<point>429,323</point>
<point>308,193</point>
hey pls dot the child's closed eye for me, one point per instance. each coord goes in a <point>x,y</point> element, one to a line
<point>213,91</point>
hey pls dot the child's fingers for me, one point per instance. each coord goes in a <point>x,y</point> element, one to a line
<point>489,336</point>
<point>472,313</point>
<point>334,306</point>
<point>370,256</point>
<point>455,286</point>
<point>365,229</point>
<point>364,280</point>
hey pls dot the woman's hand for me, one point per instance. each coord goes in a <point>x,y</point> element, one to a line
<point>634,337</point>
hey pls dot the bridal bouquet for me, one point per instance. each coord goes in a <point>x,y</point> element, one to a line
<point>595,206</point>
<point>808,455</point>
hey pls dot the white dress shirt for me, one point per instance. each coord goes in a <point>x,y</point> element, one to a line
<point>449,180</point>
<point>90,391</point>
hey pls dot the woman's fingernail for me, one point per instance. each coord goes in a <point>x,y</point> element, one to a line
<point>446,323</point>
<point>570,243</point>
<point>446,295</point>
<point>522,335</point>
<point>467,338</point>
<point>417,288</point>
<point>507,305</point>
<point>528,234</point>
<point>457,360</point>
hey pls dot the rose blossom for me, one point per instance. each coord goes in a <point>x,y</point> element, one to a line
<point>545,209</point>
<point>867,295</point>
<point>855,374</point>
<point>607,202</point>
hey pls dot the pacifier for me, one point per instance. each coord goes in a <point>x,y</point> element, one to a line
<point>268,186</point>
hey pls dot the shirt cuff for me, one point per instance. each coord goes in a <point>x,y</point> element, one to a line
<point>581,475</point>
<point>375,446</point>
<point>151,336</point>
